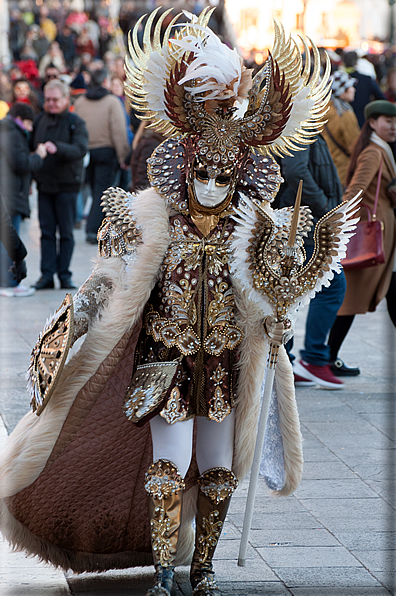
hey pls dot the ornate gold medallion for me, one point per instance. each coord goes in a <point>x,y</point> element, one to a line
<point>49,355</point>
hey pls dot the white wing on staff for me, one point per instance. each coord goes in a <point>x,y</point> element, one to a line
<point>262,261</point>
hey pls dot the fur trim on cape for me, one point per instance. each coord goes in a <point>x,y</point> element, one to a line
<point>252,363</point>
<point>22,461</point>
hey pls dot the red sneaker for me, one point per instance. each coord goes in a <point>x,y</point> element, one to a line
<point>321,375</point>
<point>301,382</point>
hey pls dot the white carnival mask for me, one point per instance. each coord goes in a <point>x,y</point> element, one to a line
<point>210,192</point>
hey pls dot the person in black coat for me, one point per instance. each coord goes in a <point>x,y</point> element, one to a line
<point>65,137</point>
<point>321,192</point>
<point>17,164</point>
<point>367,89</point>
<point>15,248</point>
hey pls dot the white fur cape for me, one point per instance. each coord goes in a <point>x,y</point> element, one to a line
<point>30,445</point>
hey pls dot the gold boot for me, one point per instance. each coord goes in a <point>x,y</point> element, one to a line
<point>164,487</point>
<point>214,495</point>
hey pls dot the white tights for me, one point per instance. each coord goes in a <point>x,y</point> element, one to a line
<point>215,442</point>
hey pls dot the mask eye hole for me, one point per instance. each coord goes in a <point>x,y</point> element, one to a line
<point>223,180</point>
<point>201,176</point>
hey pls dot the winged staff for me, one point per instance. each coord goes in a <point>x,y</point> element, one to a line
<point>278,277</point>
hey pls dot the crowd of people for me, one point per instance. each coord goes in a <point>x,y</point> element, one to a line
<point>63,108</point>
<point>178,311</point>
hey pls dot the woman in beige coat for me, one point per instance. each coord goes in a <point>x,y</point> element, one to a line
<point>342,129</point>
<point>367,287</point>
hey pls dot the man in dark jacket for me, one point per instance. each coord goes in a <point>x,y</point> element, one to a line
<point>65,138</point>
<point>17,164</point>
<point>321,192</point>
<point>367,89</point>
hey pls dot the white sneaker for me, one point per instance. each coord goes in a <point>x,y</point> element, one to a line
<point>19,290</point>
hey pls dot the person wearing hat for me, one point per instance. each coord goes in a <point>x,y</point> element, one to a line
<point>77,87</point>
<point>342,129</point>
<point>367,287</point>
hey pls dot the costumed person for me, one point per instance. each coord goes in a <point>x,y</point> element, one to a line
<point>105,473</point>
<point>372,166</point>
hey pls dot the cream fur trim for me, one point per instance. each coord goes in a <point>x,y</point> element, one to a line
<point>289,424</point>
<point>20,538</point>
<point>252,363</point>
<point>29,446</point>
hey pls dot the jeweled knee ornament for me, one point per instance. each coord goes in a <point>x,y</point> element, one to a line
<point>164,486</point>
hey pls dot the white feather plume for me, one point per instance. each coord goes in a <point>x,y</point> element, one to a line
<point>156,76</point>
<point>300,112</point>
<point>213,61</point>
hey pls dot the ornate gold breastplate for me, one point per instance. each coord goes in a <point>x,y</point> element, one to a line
<point>193,306</point>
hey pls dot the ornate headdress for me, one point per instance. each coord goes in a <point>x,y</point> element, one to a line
<point>187,87</point>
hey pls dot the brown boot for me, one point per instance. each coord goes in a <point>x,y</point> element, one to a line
<point>164,487</point>
<point>214,495</point>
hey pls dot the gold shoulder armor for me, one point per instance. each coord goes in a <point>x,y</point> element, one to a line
<point>119,234</point>
<point>49,355</point>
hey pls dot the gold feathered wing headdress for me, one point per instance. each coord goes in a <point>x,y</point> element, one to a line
<point>188,84</point>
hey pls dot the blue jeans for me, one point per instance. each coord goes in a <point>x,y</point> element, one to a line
<point>57,213</point>
<point>322,313</point>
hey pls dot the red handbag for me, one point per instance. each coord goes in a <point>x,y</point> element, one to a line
<point>366,247</point>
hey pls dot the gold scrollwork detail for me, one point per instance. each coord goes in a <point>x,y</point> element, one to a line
<point>160,527</point>
<point>221,308</point>
<point>219,408</point>
<point>174,410</point>
<point>211,530</point>
<point>221,338</point>
<point>188,342</point>
<point>180,298</point>
<point>188,247</point>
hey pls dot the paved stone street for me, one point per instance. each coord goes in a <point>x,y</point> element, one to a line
<point>334,537</point>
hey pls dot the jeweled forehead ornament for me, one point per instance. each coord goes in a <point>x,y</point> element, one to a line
<point>189,86</point>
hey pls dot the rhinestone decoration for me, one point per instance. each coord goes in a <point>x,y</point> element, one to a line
<point>211,530</point>
<point>174,411</point>
<point>185,256</point>
<point>218,484</point>
<point>147,388</point>
<point>162,479</point>
<point>160,543</point>
<point>278,271</point>
<point>207,584</point>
